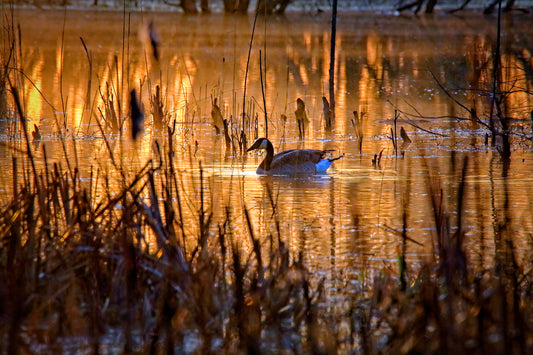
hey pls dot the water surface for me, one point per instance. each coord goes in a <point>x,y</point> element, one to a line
<point>351,217</point>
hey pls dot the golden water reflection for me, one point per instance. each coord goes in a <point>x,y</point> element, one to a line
<point>353,215</point>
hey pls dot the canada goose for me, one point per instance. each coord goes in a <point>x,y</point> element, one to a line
<point>293,161</point>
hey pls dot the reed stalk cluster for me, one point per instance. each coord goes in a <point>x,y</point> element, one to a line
<point>86,269</point>
<point>146,268</point>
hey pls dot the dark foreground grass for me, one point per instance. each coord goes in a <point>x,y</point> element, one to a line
<point>121,272</point>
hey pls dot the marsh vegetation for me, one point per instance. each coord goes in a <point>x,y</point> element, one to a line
<point>418,241</point>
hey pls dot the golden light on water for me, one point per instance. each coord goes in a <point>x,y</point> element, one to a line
<point>378,69</point>
<point>34,99</point>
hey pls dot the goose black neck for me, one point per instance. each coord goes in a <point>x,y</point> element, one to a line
<point>267,162</point>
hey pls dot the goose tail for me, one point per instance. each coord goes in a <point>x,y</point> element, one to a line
<point>331,160</point>
<point>324,164</point>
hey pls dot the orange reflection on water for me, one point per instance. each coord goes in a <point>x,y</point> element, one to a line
<point>352,214</point>
<point>33,89</point>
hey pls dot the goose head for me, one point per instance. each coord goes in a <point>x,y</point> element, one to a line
<point>263,144</point>
<point>260,144</point>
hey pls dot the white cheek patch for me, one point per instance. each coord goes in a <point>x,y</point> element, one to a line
<point>263,145</point>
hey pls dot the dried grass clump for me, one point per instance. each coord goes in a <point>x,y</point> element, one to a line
<point>80,269</point>
<point>123,273</point>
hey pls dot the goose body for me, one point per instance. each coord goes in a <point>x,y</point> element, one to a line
<point>292,161</point>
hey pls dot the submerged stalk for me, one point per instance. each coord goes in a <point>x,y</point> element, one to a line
<point>332,60</point>
<point>243,135</point>
<point>263,93</point>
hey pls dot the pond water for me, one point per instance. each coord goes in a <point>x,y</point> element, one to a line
<point>349,218</point>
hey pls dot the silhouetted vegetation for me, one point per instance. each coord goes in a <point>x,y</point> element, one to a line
<point>269,7</point>
<point>147,266</point>
<point>86,268</point>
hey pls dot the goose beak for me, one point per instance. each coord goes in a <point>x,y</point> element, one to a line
<point>254,146</point>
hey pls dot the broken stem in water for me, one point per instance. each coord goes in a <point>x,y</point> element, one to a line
<point>263,93</point>
<point>332,60</point>
<point>243,135</point>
